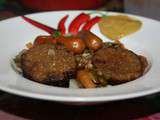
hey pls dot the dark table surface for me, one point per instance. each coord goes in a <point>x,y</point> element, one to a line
<point>14,107</point>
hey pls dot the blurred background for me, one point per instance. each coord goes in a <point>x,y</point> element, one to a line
<point>148,8</point>
<point>46,5</point>
<point>9,8</point>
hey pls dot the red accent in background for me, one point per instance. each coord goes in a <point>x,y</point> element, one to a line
<point>62,4</point>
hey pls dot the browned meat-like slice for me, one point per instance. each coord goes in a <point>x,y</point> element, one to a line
<point>144,62</point>
<point>118,64</point>
<point>47,64</point>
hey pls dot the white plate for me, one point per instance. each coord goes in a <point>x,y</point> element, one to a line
<point>15,33</point>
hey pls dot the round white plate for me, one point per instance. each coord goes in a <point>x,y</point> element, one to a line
<point>15,33</point>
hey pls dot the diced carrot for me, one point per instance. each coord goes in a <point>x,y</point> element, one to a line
<point>85,78</point>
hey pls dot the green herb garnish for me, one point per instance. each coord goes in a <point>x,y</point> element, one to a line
<point>56,34</point>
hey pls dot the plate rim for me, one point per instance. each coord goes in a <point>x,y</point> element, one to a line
<point>75,98</point>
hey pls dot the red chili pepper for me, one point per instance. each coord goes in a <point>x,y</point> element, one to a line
<point>91,22</point>
<point>77,22</point>
<point>61,25</point>
<point>46,28</point>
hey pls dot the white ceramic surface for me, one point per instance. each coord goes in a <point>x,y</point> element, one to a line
<point>15,33</point>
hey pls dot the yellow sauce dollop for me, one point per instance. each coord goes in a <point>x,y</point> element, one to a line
<point>118,26</point>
